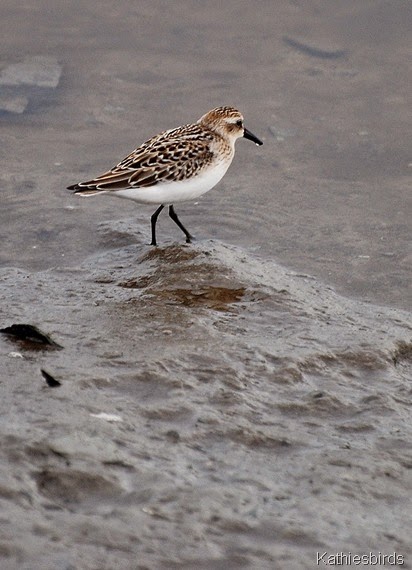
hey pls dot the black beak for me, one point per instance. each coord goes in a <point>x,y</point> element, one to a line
<point>248,135</point>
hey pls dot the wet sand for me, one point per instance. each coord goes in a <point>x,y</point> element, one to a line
<point>242,402</point>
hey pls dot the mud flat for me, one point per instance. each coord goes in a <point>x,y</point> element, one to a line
<point>215,410</point>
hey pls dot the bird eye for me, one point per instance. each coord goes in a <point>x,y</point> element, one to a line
<point>239,123</point>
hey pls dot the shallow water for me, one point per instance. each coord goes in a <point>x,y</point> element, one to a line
<point>244,401</point>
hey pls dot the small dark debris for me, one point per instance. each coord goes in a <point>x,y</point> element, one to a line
<point>30,334</point>
<point>318,395</point>
<point>173,436</point>
<point>52,382</point>
<point>312,51</point>
<point>119,464</point>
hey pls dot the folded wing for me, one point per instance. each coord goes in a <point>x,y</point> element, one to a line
<point>165,158</point>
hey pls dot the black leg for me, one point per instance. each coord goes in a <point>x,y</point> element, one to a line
<point>176,220</point>
<point>153,220</point>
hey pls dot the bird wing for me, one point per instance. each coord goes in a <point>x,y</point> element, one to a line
<point>174,155</point>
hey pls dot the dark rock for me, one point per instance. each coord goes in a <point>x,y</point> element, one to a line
<point>29,333</point>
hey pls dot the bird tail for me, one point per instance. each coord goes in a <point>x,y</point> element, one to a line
<point>83,191</point>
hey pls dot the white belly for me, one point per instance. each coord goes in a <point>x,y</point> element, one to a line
<point>171,192</point>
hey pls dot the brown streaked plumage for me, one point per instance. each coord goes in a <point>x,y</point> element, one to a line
<point>176,165</point>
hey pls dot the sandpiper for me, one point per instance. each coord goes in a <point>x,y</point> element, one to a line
<point>176,165</point>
